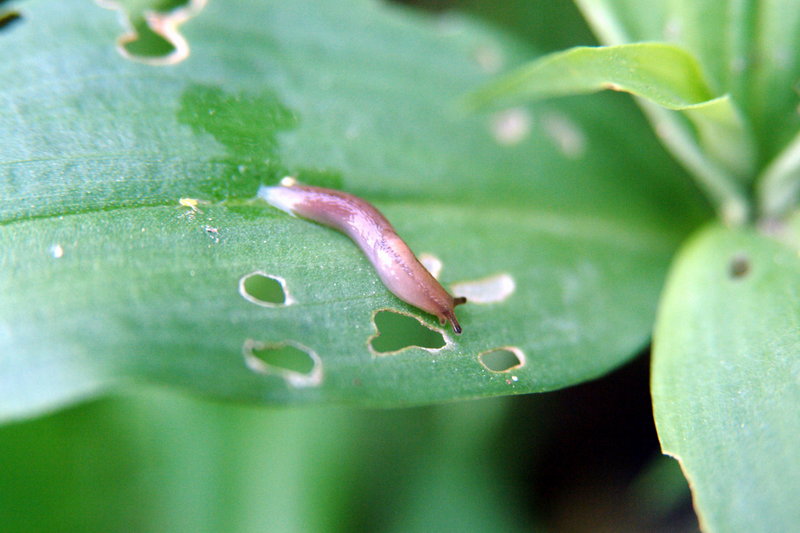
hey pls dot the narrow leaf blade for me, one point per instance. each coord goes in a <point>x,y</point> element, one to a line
<point>660,73</point>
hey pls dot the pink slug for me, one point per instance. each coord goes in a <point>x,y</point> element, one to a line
<point>396,264</point>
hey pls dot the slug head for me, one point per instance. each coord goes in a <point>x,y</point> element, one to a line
<point>449,315</point>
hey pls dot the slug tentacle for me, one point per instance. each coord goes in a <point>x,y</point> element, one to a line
<point>395,263</point>
<point>452,318</point>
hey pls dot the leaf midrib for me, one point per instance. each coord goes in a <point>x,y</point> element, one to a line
<point>574,226</point>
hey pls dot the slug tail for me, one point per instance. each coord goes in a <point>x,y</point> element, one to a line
<point>282,198</point>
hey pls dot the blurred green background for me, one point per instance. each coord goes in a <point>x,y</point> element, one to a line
<point>581,459</point>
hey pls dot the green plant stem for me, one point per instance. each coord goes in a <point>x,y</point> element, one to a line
<point>727,196</point>
<point>779,184</point>
<point>603,22</point>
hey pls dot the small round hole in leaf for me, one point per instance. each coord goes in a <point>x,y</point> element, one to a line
<point>263,289</point>
<point>502,359</point>
<point>285,357</point>
<point>299,365</point>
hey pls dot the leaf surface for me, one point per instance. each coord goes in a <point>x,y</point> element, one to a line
<point>128,219</point>
<point>726,378</point>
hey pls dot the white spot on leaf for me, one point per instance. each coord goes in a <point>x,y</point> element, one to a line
<point>57,251</point>
<point>492,289</point>
<point>489,58</point>
<point>569,138</point>
<point>511,126</point>
<point>431,263</point>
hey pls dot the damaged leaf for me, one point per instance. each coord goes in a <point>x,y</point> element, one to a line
<point>128,214</point>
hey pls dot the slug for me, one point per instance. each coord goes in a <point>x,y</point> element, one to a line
<point>396,264</point>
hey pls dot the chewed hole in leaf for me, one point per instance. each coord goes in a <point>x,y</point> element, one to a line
<point>739,266</point>
<point>264,289</point>
<point>147,43</point>
<point>299,365</point>
<point>154,37</point>
<point>502,359</point>
<point>398,331</point>
<point>285,358</point>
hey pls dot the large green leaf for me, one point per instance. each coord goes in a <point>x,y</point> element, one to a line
<point>726,379</point>
<point>107,276</point>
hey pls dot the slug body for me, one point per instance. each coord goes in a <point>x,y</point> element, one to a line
<point>396,264</point>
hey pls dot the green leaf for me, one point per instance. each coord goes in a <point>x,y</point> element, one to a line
<point>717,33</point>
<point>129,227</point>
<point>775,101</point>
<point>726,378</point>
<point>660,73</point>
<point>627,21</point>
<point>779,185</point>
<point>750,50</point>
<point>774,74</point>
